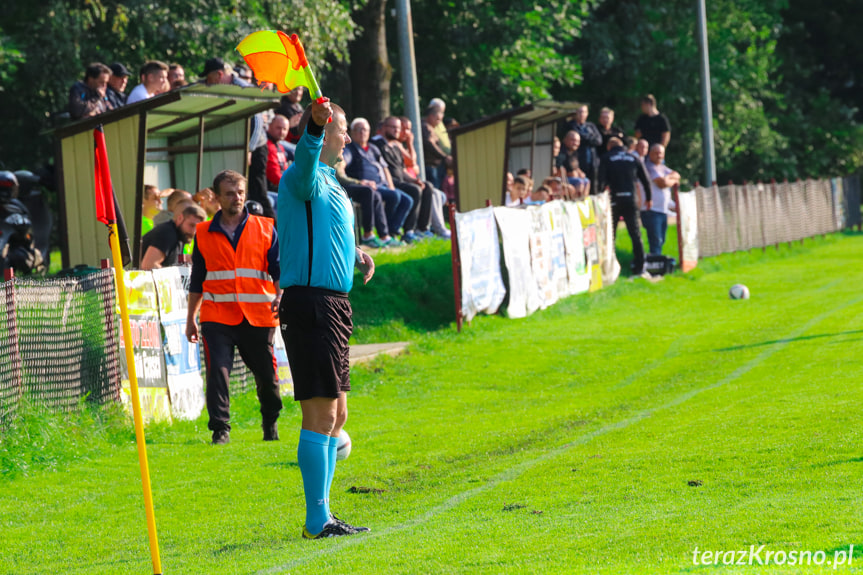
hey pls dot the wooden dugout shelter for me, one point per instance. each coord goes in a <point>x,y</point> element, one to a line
<point>485,150</point>
<point>180,139</point>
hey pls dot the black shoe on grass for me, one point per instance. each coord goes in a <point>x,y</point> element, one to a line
<point>334,519</point>
<point>331,529</point>
<point>221,437</point>
<point>271,432</point>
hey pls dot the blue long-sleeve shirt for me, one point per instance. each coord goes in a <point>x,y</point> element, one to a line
<point>316,221</point>
<point>199,266</point>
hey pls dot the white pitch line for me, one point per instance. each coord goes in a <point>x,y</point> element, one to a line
<point>517,470</point>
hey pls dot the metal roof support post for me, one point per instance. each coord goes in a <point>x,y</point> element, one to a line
<point>200,153</point>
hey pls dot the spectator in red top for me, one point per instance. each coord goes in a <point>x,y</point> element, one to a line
<point>278,156</point>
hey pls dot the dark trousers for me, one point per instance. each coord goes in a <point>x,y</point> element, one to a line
<point>397,206</point>
<point>656,225</point>
<point>372,207</point>
<point>257,187</point>
<point>627,210</point>
<point>255,345</point>
<point>420,216</point>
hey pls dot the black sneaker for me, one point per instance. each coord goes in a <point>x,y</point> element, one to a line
<point>335,519</point>
<point>331,529</point>
<point>271,432</point>
<point>221,437</point>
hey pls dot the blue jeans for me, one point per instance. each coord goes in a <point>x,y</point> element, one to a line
<point>397,206</point>
<point>436,174</point>
<point>656,225</point>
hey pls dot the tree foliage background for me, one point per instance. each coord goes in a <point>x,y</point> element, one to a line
<point>786,96</point>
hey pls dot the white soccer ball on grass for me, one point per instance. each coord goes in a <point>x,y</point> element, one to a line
<point>738,291</point>
<point>344,446</point>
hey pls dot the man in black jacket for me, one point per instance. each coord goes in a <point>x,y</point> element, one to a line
<point>588,150</point>
<point>619,170</point>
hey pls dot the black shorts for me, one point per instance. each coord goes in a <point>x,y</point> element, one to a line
<point>316,326</point>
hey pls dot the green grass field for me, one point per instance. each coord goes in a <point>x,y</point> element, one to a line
<point>612,433</point>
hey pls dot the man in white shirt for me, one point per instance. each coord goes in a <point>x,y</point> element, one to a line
<point>154,81</point>
<point>655,218</point>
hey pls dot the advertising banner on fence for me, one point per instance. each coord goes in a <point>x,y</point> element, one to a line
<point>182,359</point>
<point>147,347</point>
<point>578,274</point>
<point>481,284</point>
<point>556,214</point>
<point>540,255</point>
<point>515,228</point>
<point>605,239</point>
<point>688,209</point>
<point>591,248</point>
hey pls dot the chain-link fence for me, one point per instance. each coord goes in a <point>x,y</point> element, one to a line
<point>59,342</point>
<point>733,218</point>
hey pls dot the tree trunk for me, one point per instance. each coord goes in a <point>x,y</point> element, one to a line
<point>370,69</point>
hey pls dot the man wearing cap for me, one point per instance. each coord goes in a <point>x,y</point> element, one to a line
<point>116,92</point>
<point>217,71</point>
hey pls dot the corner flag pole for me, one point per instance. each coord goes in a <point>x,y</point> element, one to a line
<point>136,401</point>
<point>106,214</point>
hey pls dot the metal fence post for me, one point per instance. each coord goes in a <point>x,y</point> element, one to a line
<point>456,267</point>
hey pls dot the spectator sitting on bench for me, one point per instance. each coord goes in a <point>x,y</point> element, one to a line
<point>372,207</point>
<point>363,162</point>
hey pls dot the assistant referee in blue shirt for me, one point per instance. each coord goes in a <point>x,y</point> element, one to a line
<point>318,255</point>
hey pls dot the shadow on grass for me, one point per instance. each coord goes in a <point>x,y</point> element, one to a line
<point>839,462</point>
<point>417,293</point>
<point>790,340</point>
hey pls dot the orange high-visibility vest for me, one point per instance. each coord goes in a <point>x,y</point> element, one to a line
<point>238,284</point>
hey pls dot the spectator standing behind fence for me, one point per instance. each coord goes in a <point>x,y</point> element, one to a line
<point>89,98</point>
<point>116,92</point>
<point>318,259</point>
<point>154,81</point>
<point>175,198</point>
<point>619,170</point>
<point>607,129</point>
<point>436,158</point>
<point>651,124</point>
<point>588,149</point>
<point>234,284</point>
<point>655,218</point>
<point>176,76</point>
<point>364,162</point>
<point>163,244</point>
<point>291,109</point>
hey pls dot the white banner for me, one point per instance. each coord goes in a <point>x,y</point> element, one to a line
<point>556,215</point>
<point>514,226</point>
<point>578,274</point>
<point>688,223</point>
<point>608,263</point>
<point>540,255</point>
<point>482,286</point>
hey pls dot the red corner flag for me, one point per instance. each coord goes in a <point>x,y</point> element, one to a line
<point>104,188</point>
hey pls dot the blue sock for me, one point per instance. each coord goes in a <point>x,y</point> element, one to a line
<point>334,445</point>
<point>313,457</point>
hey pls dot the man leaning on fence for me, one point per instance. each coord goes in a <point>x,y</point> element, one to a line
<point>234,284</point>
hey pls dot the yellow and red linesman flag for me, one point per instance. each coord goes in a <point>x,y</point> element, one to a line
<point>280,59</point>
<point>104,188</point>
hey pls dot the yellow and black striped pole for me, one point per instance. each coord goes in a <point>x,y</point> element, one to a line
<point>136,401</point>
